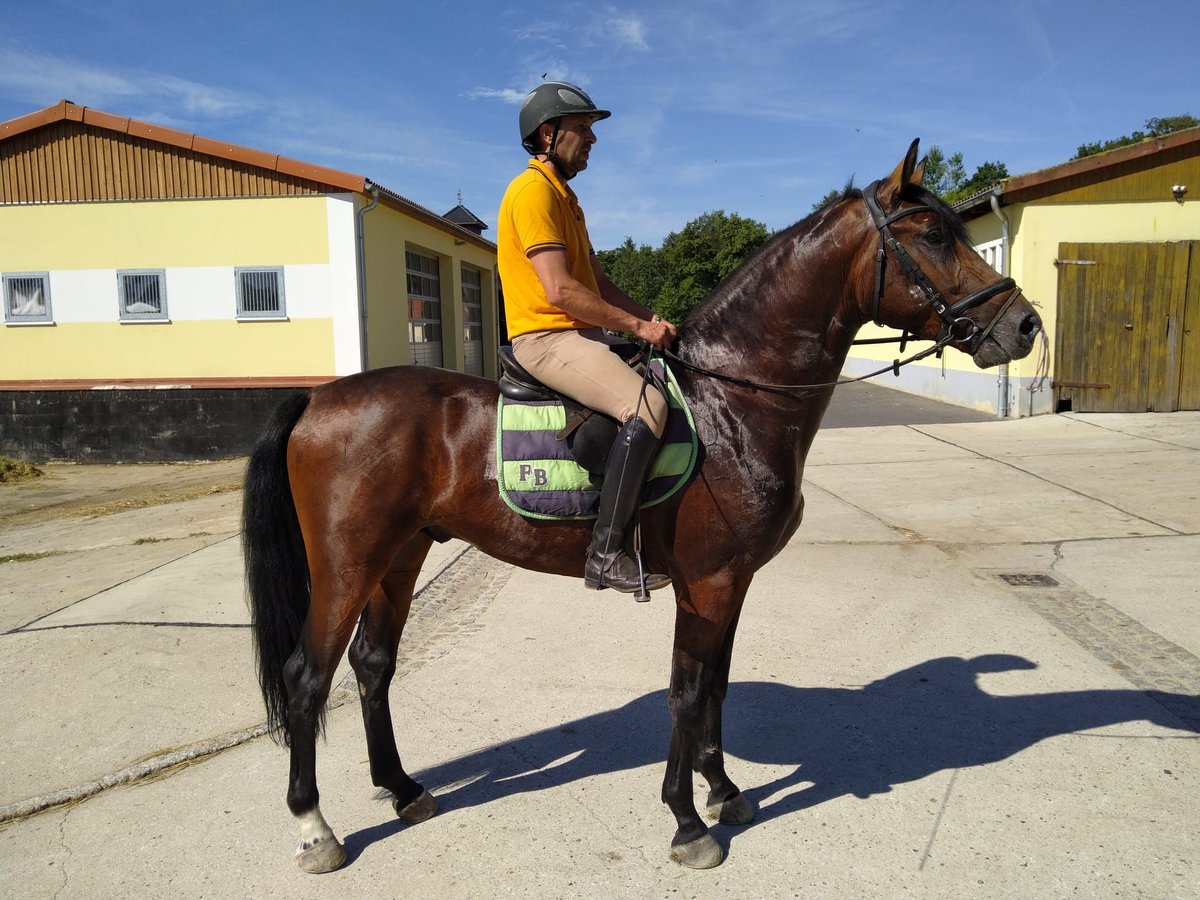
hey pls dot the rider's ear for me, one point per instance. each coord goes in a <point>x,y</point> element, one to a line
<point>908,172</point>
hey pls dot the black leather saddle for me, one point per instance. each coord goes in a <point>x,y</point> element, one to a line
<point>589,434</point>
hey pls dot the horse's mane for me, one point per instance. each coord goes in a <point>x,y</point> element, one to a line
<point>709,309</point>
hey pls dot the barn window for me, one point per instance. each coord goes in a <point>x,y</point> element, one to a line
<point>424,309</point>
<point>260,292</point>
<point>472,302</point>
<point>142,294</point>
<point>27,297</point>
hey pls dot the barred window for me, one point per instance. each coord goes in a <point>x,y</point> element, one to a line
<point>424,309</point>
<point>27,297</point>
<point>260,292</point>
<point>142,294</point>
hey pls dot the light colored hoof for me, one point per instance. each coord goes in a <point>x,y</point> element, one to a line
<point>418,811</point>
<point>322,857</point>
<point>737,810</point>
<point>702,853</point>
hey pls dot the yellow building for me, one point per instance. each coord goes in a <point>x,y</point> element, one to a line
<point>158,284</point>
<point>1108,249</point>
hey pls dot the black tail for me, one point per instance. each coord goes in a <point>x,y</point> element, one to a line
<point>276,565</point>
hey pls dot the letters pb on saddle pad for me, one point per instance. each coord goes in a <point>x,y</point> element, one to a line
<point>539,478</point>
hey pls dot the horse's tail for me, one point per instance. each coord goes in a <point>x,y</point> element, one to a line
<point>276,566</point>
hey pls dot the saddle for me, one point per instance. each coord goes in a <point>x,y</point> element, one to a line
<point>589,434</point>
<point>551,451</point>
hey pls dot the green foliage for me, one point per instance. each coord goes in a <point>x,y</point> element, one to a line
<point>985,176</point>
<point>832,197</point>
<point>675,277</point>
<point>1155,127</point>
<point>636,270</point>
<point>943,174</point>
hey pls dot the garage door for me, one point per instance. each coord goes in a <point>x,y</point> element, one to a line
<point>1127,327</point>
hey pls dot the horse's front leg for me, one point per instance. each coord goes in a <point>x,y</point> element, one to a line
<point>704,625</point>
<point>726,803</point>
<point>373,656</point>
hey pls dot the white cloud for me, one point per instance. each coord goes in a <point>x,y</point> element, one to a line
<point>627,29</point>
<point>505,95</point>
<point>44,78</point>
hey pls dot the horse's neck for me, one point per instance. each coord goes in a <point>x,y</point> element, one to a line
<point>787,318</point>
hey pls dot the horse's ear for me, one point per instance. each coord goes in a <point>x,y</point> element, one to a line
<point>918,175</point>
<point>903,174</point>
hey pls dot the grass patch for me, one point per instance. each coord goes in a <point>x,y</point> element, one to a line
<point>27,557</point>
<point>12,471</point>
<point>149,541</point>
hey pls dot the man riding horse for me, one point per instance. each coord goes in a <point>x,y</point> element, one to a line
<point>559,305</point>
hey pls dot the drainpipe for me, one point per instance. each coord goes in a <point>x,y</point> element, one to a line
<point>1002,409</point>
<point>361,264</point>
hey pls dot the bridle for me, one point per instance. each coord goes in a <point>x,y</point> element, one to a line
<point>956,328</point>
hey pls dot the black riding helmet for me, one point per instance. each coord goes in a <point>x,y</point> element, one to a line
<point>552,100</point>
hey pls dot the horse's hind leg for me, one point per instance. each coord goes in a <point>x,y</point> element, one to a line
<point>309,674</point>
<point>373,656</point>
<point>337,601</point>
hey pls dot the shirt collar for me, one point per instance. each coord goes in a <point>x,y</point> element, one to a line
<point>553,177</point>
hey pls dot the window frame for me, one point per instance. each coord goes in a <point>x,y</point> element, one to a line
<point>244,314</point>
<point>13,318</point>
<point>429,327</point>
<point>122,300</point>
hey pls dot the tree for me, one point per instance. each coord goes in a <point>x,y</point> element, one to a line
<point>635,269</point>
<point>943,174</point>
<point>833,196</point>
<point>1155,127</point>
<point>985,176</point>
<point>699,257</point>
<point>672,279</point>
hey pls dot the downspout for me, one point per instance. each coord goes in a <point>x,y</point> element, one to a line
<point>361,264</point>
<point>1002,409</point>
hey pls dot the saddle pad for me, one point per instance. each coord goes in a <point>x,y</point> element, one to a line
<point>539,478</point>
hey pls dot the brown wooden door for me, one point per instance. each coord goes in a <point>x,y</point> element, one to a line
<point>1127,338</point>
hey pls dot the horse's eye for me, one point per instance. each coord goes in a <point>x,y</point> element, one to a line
<point>935,236</point>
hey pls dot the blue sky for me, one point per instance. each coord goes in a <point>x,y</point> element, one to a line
<point>755,108</point>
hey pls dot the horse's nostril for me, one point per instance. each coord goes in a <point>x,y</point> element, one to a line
<point>1030,324</point>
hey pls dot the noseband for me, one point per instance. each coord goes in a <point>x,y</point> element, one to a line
<point>957,327</point>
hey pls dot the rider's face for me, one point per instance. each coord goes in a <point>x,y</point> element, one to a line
<point>574,145</point>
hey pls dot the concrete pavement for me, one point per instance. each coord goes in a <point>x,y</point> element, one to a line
<point>974,671</point>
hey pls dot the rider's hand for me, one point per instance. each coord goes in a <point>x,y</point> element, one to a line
<point>657,332</point>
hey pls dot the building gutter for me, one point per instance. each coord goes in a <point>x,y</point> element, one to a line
<point>1002,406</point>
<point>360,253</point>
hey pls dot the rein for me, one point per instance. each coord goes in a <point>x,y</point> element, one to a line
<point>956,328</point>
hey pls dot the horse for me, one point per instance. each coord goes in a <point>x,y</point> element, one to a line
<point>351,483</point>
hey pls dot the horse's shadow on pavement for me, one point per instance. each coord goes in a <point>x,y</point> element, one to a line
<point>835,741</point>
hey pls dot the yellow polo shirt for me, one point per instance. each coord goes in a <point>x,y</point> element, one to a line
<point>539,210</point>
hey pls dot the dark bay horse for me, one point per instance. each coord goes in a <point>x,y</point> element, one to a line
<point>352,483</point>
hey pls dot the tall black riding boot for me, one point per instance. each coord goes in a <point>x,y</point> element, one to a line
<point>608,565</point>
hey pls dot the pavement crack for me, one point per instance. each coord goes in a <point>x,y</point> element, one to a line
<point>1045,480</point>
<point>66,859</point>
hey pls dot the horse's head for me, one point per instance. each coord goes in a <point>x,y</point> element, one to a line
<point>927,279</point>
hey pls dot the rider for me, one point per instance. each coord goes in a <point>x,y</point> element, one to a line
<point>559,304</point>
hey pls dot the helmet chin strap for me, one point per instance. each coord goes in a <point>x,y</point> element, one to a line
<point>552,157</point>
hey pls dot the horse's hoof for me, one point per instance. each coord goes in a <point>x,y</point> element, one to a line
<point>737,810</point>
<point>322,857</point>
<point>702,853</point>
<point>418,810</point>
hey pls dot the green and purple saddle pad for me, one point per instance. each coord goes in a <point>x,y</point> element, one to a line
<point>539,478</point>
